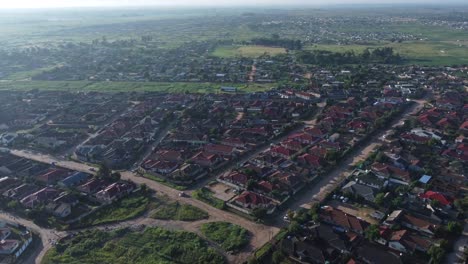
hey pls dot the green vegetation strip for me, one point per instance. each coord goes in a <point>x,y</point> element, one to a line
<point>179,212</point>
<point>173,87</point>
<point>230,237</point>
<point>206,196</point>
<point>126,208</point>
<point>154,245</point>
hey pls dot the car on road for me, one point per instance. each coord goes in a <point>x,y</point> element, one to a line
<point>92,169</point>
<point>182,194</point>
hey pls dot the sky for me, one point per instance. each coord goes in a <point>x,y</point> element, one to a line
<point>8,4</point>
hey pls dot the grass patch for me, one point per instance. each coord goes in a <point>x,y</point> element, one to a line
<point>154,245</point>
<point>172,87</point>
<point>229,236</point>
<point>251,51</point>
<point>179,212</point>
<point>127,208</point>
<point>206,196</point>
<point>415,52</point>
<point>261,252</point>
<point>163,181</point>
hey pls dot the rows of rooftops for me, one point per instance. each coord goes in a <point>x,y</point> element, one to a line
<point>37,189</point>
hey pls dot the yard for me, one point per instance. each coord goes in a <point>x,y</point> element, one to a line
<point>206,196</point>
<point>153,245</point>
<point>222,191</point>
<point>229,236</point>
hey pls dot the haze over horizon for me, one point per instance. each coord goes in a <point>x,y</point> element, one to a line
<point>201,3</point>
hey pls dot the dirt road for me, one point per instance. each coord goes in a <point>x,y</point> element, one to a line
<point>48,236</point>
<point>261,234</point>
<point>329,182</point>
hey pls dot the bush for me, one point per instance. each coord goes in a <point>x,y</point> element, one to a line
<point>227,235</point>
<point>154,245</point>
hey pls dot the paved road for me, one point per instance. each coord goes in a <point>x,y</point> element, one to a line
<point>457,256</point>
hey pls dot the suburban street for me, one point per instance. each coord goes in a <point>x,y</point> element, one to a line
<point>324,186</point>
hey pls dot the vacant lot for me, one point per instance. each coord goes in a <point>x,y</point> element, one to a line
<point>222,191</point>
<point>127,208</point>
<point>229,236</point>
<point>153,245</point>
<point>247,51</point>
<point>179,212</point>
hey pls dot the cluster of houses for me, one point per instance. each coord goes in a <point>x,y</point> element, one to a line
<point>121,142</point>
<point>219,129</point>
<point>339,237</point>
<point>113,62</point>
<point>14,241</point>
<point>405,192</point>
<point>58,120</point>
<point>271,177</point>
<point>28,185</point>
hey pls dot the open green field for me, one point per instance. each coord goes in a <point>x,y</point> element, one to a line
<point>421,52</point>
<point>153,245</point>
<point>246,51</point>
<point>173,87</point>
<point>126,208</point>
<point>228,236</point>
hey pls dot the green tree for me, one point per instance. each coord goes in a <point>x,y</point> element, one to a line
<point>104,171</point>
<point>277,257</point>
<point>372,232</point>
<point>454,227</point>
<point>294,227</point>
<point>379,199</point>
<point>259,213</point>
<point>115,176</point>
<point>436,253</point>
<point>397,201</point>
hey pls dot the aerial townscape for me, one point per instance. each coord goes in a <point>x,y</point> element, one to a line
<point>234,134</point>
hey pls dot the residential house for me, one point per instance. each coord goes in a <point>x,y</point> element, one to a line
<point>412,222</point>
<point>52,176</point>
<point>360,190</point>
<point>114,191</point>
<point>7,247</point>
<point>342,220</point>
<point>74,179</point>
<point>251,201</point>
<point>206,159</point>
<point>403,240</point>
<point>40,197</point>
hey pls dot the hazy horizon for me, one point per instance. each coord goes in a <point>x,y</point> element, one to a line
<point>34,4</point>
